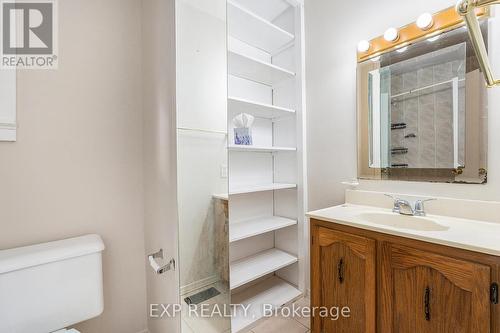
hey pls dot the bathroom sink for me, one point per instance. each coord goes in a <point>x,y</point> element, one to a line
<point>402,221</point>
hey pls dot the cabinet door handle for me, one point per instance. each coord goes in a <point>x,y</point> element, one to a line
<point>494,293</point>
<point>340,268</point>
<point>427,305</point>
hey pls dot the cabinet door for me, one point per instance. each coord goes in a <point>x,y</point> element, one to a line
<point>343,275</point>
<point>427,292</point>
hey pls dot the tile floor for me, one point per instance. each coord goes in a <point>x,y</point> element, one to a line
<point>285,325</point>
<point>276,324</point>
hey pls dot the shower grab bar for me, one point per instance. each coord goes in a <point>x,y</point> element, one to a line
<point>411,91</point>
<point>466,9</point>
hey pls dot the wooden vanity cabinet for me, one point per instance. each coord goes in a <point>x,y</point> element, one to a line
<point>343,267</point>
<point>399,285</point>
<point>421,291</point>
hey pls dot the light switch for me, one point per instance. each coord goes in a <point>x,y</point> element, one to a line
<point>223,171</point>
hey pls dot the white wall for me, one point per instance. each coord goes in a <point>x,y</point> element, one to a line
<point>333,29</point>
<point>77,165</point>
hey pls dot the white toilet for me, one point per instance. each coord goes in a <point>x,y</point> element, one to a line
<point>48,287</point>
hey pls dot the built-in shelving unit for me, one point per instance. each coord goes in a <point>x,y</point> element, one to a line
<point>267,180</point>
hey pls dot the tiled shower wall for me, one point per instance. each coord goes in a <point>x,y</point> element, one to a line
<point>428,115</point>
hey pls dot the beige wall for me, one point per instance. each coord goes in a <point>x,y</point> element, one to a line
<point>77,165</point>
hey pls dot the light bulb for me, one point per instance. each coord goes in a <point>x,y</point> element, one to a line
<point>363,46</point>
<point>425,21</point>
<point>391,35</point>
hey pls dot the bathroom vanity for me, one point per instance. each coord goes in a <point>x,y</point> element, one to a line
<point>404,274</point>
<point>422,115</point>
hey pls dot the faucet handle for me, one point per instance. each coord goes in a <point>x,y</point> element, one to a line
<point>420,208</point>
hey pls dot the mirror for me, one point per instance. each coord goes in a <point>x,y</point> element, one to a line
<point>422,113</point>
<point>8,122</point>
<point>202,164</point>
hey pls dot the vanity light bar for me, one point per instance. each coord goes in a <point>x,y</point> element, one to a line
<point>426,26</point>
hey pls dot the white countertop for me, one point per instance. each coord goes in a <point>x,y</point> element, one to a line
<point>473,235</point>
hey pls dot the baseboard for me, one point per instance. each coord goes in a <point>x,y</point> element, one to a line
<point>194,286</point>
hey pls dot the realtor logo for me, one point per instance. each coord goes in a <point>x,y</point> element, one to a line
<point>29,34</point>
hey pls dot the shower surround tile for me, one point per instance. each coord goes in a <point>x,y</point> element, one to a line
<point>428,113</point>
<point>397,115</point>
<point>425,77</point>
<point>410,81</point>
<point>397,138</point>
<point>396,84</point>
<point>443,72</point>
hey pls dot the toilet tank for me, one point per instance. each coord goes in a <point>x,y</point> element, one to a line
<point>50,286</point>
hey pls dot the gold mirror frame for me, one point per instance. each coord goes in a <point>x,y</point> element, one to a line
<point>443,21</point>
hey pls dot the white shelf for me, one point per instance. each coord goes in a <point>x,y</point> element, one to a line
<point>256,266</point>
<point>272,291</point>
<point>258,149</point>
<point>256,70</point>
<point>267,9</point>
<point>260,188</point>
<point>250,228</point>
<point>260,110</point>
<point>255,30</point>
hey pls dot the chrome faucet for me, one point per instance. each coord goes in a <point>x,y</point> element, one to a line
<point>404,207</point>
